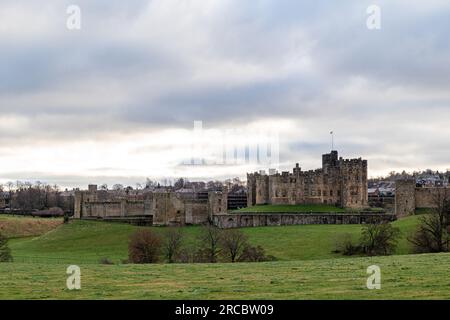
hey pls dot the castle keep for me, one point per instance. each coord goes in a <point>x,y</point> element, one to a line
<point>340,182</point>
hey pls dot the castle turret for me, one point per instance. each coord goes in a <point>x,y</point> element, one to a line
<point>405,201</point>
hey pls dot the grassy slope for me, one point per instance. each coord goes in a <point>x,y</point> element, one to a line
<point>88,241</point>
<point>403,277</point>
<point>15,227</point>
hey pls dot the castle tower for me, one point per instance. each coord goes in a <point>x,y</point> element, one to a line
<point>251,190</point>
<point>262,188</point>
<point>353,176</point>
<point>405,197</point>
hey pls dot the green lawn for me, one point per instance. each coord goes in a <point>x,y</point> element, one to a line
<point>301,208</point>
<point>402,277</point>
<point>306,267</point>
<point>88,241</point>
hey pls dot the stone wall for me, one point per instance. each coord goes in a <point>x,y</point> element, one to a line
<point>164,208</point>
<point>409,197</point>
<point>227,221</point>
<point>427,197</point>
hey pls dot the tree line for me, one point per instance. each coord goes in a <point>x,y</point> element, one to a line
<point>213,245</point>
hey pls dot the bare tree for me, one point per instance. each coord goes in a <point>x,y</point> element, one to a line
<point>210,242</point>
<point>233,242</point>
<point>432,234</point>
<point>379,238</point>
<point>172,245</point>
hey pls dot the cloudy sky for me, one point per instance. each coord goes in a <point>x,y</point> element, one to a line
<point>116,100</point>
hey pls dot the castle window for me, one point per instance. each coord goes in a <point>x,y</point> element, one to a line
<point>331,193</point>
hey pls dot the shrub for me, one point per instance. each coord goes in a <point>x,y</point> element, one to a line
<point>433,232</point>
<point>379,238</point>
<point>186,255</point>
<point>429,236</point>
<point>345,245</point>
<point>144,247</point>
<point>105,261</point>
<point>254,254</point>
<point>5,251</point>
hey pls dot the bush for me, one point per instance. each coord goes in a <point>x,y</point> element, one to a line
<point>254,254</point>
<point>379,238</point>
<point>186,255</point>
<point>5,251</point>
<point>144,247</point>
<point>430,236</point>
<point>105,261</point>
<point>346,245</point>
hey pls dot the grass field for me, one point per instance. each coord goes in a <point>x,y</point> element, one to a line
<point>17,226</point>
<point>89,241</point>
<point>306,267</point>
<point>275,208</point>
<point>402,277</point>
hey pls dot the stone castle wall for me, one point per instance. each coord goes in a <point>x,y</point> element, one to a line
<point>228,221</point>
<point>339,182</point>
<point>164,208</point>
<point>409,197</point>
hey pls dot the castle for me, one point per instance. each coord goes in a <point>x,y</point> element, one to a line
<point>340,182</point>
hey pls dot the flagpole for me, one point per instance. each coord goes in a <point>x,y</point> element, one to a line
<point>332,140</point>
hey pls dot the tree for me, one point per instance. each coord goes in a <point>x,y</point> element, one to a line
<point>432,234</point>
<point>233,242</point>
<point>179,184</point>
<point>172,244</point>
<point>379,238</point>
<point>5,251</point>
<point>118,187</point>
<point>144,247</point>
<point>210,242</point>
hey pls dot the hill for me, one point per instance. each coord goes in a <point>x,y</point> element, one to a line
<point>89,241</point>
<point>16,226</point>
